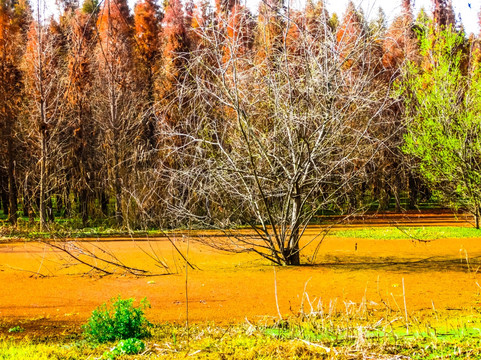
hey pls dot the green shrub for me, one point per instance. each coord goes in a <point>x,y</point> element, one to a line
<point>118,320</point>
<point>130,346</point>
<point>16,329</point>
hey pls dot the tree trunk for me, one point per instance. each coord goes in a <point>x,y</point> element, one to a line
<point>12,188</point>
<point>59,206</point>
<point>118,203</point>
<point>26,206</point>
<point>68,204</point>
<point>83,200</point>
<point>27,200</point>
<point>43,213</point>
<point>413,192</point>
<point>477,214</point>
<point>293,256</point>
<point>4,199</point>
<point>50,212</point>
<point>384,195</point>
<point>104,203</point>
<point>397,198</point>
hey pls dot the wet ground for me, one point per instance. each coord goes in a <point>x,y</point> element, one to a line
<point>45,290</point>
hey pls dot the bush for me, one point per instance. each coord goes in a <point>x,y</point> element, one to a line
<point>118,320</point>
<point>16,329</point>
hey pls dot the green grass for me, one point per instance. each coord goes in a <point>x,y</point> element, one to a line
<point>359,332</point>
<point>410,233</point>
<point>25,231</point>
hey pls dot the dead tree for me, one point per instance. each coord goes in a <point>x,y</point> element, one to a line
<point>275,142</point>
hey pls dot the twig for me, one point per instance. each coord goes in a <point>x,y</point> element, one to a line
<point>187,290</point>
<point>405,308</point>
<point>326,349</point>
<point>275,293</point>
<point>69,253</point>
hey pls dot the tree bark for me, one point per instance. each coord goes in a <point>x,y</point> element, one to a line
<point>413,191</point>
<point>49,208</point>
<point>477,214</point>
<point>43,213</point>
<point>83,200</point>
<point>12,188</point>
<point>104,203</point>
<point>118,203</point>
<point>293,256</point>
<point>4,200</point>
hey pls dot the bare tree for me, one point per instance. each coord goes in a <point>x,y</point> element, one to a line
<point>116,109</point>
<point>272,144</point>
<point>12,18</point>
<point>43,81</point>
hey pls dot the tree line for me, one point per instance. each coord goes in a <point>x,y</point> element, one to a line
<point>194,113</point>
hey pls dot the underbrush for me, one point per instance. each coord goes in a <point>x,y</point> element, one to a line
<point>359,331</point>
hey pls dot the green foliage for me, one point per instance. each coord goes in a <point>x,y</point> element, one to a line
<point>118,320</point>
<point>356,332</point>
<point>16,329</point>
<point>418,233</point>
<point>443,115</point>
<point>130,346</point>
<point>90,6</point>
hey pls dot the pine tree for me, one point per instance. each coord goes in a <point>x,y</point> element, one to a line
<point>174,61</point>
<point>400,40</point>
<point>42,65</point>
<point>82,130</point>
<point>148,47</point>
<point>117,99</point>
<point>443,13</point>
<point>239,31</point>
<point>269,32</point>
<point>13,17</point>
<point>350,32</point>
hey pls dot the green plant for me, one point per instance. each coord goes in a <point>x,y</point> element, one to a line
<point>130,346</point>
<point>442,102</point>
<point>410,233</point>
<point>16,329</point>
<point>118,320</point>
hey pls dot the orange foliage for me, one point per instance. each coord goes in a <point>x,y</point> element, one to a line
<point>349,33</point>
<point>312,23</point>
<point>175,48</point>
<point>174,30</point>
<point>11,42</point>
<point>8,32</point>
<point>316,17</point>
<point>198,23</point>
<point>115,41</point>
<point>31,58</point>
<point>239,32</point>
<point>297,25</point>
<point>269,30</point>
<point>113,19</point>
<point>224,7</point>
<point>41,64</point>
<point>147,30</point>
<point>351,28</point>
<point>79,72</point>
<point>400,41</point>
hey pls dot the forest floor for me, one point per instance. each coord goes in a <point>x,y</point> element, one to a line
<point>432,286</point>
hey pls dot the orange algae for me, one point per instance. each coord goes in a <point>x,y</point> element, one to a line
<point>40,283</point>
